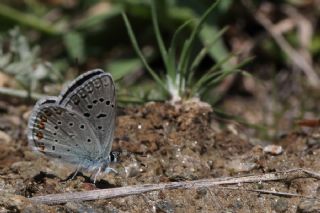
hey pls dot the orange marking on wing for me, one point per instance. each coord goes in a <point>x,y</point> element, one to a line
<point>41,148</point>
<point>41,125</point>
<point>39,135</point>
<point>43,118</point>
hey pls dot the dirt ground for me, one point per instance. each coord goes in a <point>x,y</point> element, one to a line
<point>163,143</point>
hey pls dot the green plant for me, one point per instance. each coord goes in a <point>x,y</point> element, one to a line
<point>24,63</point>
<point>179,81</point>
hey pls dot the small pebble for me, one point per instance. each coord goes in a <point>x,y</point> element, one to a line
<point>273,149</point>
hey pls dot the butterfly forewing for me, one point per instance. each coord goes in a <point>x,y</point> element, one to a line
<point>93,96</point>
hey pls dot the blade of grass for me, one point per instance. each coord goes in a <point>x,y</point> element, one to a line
<point>186,54</point>
<point>209,76</point>
<point>209,73</point>
<point>217,80</point>
<point>202,54</point>
<point>173,72</point>
<point>155,23</point>
<point>226,72</point>
<point>28,20</point>
<point>138,51</point>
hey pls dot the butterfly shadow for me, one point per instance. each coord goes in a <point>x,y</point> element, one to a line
<point>40,178</point>
<point>100,184</point>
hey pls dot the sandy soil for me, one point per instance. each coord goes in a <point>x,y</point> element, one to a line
<point>163,143</point>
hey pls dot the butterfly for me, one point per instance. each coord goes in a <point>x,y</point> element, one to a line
<point>77,127</point>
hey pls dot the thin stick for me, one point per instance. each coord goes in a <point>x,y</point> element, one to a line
<point>284,194</point>
<point>22,94</point>
<point>298,59</point>
<point>139,189</point>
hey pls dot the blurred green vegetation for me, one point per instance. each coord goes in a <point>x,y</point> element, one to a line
<point>45,43</point>
<point>80,35</point>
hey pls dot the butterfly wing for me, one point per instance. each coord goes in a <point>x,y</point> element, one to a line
<point>62,133</point>
<point>93,96</point>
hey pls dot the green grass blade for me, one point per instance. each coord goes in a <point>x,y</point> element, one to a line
<point>185,58</point>
<point>29,20</point>
<point>138,51</point>
<point>214,81</point>
<point>155,23</point>
<point>173,71</point>
<point>220,63</point>
<point>210,73</point>
<point>204,50</point>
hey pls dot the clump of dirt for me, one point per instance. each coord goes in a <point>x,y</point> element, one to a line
<point>161,142</point>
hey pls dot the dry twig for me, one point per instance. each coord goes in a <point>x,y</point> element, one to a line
<point>298,59</point>
<point>139,189</point>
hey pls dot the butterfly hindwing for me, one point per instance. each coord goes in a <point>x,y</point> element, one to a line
<point>62,133</point>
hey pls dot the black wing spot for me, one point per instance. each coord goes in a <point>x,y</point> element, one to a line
<point>53,147</point>
<point>112,105</point>
<point>87,114</point>
<point>88,140</point>
<point>101,115</point>
<point>95,101</point>
<point>108,102</point>
<point>59,122</point>
<point>54,133</point>
<point>56,127</point>
<point>101,99</point>
<point>89,106</point>
<point>68,150</point>
<point>81,126</point>
<point>55,140</point>
<point>99,127</point>
<point>71,124</point>
<point>59,156</point>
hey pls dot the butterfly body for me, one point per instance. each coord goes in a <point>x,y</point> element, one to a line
<point>77,126</point>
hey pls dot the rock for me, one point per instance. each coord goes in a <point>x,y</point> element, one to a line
<point>273,149</point>
<point>4,138</point>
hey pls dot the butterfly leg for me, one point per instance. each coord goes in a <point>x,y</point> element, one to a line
<point>109,169</point>
<point>75,172</point>
<point>96,175</point>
